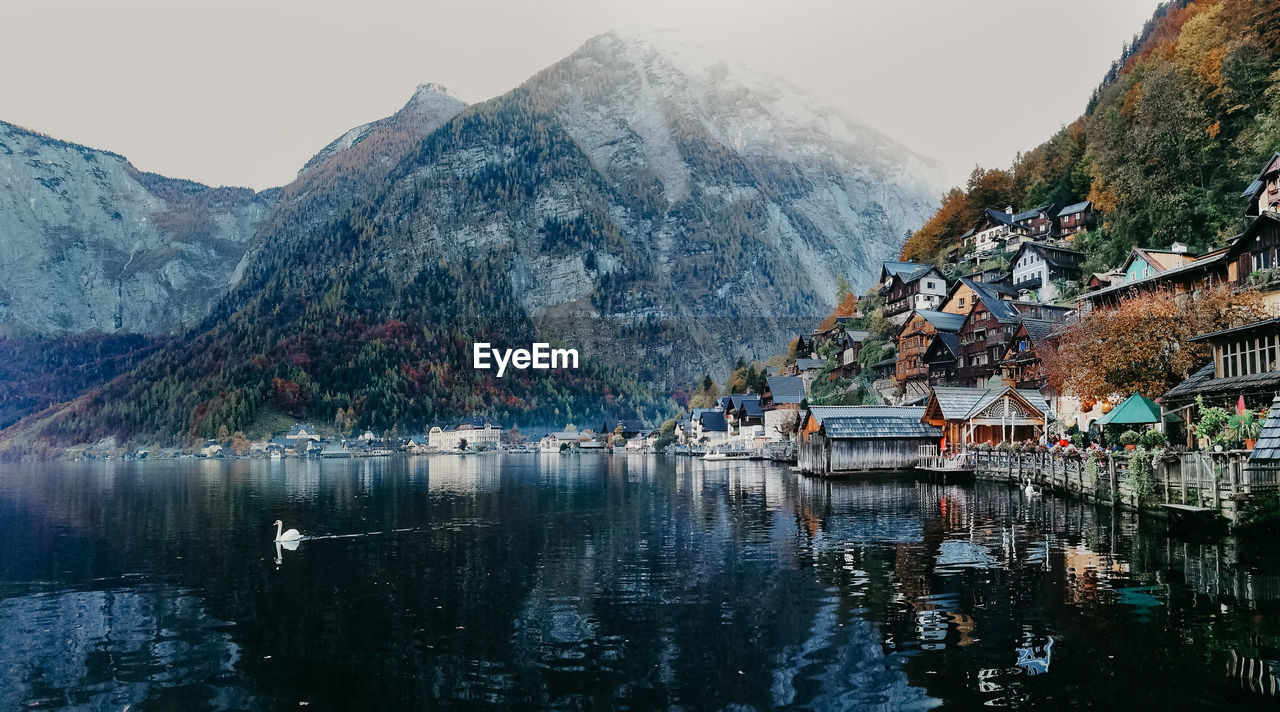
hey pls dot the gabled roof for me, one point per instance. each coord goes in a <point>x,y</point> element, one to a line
<point>1268,325</point>
<point>713,420</point>
<point>736,400</point>
<point>751,408</point>
<point>1039,330</point>
<point>942,321</point>
<point>997,289</point>
<point>943,341</point>
<point>922,272</point>
<point>805,364</point>
<point>1255,186</point>
<point>1003,311</point>
<point>1075,208</point>
<point>1161,260</point>
<point>960,403</point>
<point>891,268</point>
<point>785,389</point>
<point>876,422</point>
<point>1029,214</point>
<point>857,335</point>
<point>999,216</point>
<point>1055,256</point>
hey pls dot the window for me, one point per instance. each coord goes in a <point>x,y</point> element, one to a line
<point>1262,260</point>
<point>962,302</point>
<point>1249,356</point>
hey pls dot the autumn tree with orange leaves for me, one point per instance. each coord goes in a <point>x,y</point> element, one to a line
<point>1142,345</point>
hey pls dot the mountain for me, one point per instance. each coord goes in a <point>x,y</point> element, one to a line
<point>657,209</point>
<point>351,165</point>
<point>90,243</point>
<point>1178,127</point>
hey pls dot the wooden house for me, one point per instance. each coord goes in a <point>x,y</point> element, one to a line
<point>1143,273</point>
<point>971,416</point>
<point>1037,267</point>
<point>925,288</point>
<point>1253,259</point>
<point>914,338</point>
<point>963,295</point>
<point>1075,218</point>
<point>1039,222</point>
<point>1263,193</point>
<point>987,331</point>
<point>1022,365</point>
<point>942,357</point>
<point>1245,363</point>
<point>993,231</point>
<point>840,439</point>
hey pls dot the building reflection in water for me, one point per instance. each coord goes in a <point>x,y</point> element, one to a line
<point>595,580</point>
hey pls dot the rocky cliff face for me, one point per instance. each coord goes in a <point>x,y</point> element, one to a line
<point>90,243</point>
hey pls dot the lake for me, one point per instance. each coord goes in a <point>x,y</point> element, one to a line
<point>595,581</point>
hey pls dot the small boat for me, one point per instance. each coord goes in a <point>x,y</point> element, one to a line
<point>736,455</point>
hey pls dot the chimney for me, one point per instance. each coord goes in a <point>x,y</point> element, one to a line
<point>1179,248</point>
<point>1008,209</point>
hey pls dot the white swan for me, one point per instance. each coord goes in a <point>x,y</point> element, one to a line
<point>291,535</point>
<point>1030,490</point>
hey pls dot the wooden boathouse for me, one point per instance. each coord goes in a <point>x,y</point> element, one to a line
<point>846,439</point>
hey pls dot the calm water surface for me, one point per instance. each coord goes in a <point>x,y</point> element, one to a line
<point>606,582</point>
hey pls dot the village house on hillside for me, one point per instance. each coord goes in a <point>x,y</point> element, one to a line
<point>925,288</point>
<point>988,329</point>
<point>1075,218</point>
<point>1037,269</point>
<point>1263,194</point>
<point>914,338</point>
<point>1251,259</point>
<point>993,231</point>
<point>963,295</point>
<point>1145,271</point>
<point>942,357</point>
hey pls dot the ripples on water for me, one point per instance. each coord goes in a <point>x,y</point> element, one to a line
<point>594,581</point>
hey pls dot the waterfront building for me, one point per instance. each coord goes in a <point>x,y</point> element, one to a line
<point>474,432</point>
<point>971,416</point>
<point>1245,363</point>
<point>837,439</point>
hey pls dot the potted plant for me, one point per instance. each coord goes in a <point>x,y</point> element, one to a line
<point>1153,439</point>
<point>1244,427</point>
<point>1212,423</point>
<point>1129,439</point>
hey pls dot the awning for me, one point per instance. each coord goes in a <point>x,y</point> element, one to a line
<point>1136,410</point>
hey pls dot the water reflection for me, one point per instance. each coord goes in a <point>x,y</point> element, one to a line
<point>574,581</point>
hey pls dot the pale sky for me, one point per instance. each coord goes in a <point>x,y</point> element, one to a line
<point>243,92</point>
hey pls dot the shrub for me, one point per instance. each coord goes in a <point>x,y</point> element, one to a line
<point>1129,437</point>
<point>1153,439</point>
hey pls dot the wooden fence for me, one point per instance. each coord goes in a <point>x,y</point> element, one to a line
<point>1196,479</point>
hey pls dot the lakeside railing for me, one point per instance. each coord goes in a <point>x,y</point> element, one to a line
<point>1193,479</point>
